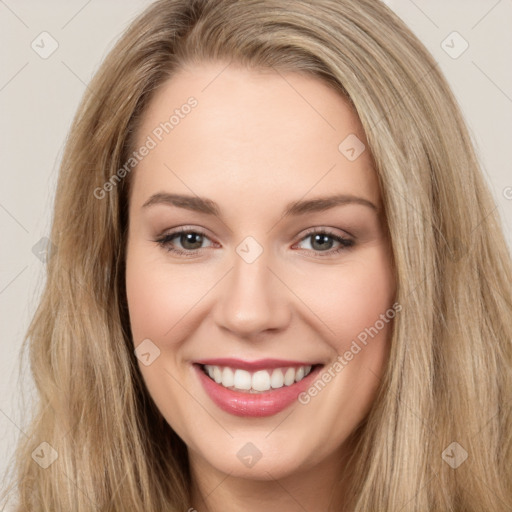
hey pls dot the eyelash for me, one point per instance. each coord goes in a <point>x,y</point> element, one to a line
<point>165,241</point>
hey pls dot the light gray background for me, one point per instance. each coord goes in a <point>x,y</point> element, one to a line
<point>38,98</point>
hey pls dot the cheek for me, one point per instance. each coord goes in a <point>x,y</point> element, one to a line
<point>159,296</point>
<point>351,297</point>
<point>161,302</point>
<point>350,303</point>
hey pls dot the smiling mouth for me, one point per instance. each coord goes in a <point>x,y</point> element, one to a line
<point>260,381</point>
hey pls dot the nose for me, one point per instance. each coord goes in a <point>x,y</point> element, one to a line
<point>252,300</point>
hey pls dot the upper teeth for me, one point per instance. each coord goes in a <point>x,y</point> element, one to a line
<point>262,380</point>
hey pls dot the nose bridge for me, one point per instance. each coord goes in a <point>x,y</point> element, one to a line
<point>252,300</point>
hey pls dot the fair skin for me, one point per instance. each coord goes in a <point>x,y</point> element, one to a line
<point>254,144</point>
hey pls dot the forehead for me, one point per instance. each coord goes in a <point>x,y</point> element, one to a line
<point>252,133</point>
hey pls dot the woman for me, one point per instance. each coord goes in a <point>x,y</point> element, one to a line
<point>280,281</point>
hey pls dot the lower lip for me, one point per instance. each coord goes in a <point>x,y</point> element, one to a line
<point>263,404</point>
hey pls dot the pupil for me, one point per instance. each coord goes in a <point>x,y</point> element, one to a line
<point>323,240</point>
<point>193,239</point>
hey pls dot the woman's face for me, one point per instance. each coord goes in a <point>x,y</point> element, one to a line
<point>283,268</point>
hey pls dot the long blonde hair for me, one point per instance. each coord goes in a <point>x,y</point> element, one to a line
<point>449,375</point>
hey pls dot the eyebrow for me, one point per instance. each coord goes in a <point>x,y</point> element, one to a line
<point>301,207</point>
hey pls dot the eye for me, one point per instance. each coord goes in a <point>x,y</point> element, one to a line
<point>322,241</point>
<point>191,240</point>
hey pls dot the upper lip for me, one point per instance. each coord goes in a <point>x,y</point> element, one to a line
<point>260,364</point>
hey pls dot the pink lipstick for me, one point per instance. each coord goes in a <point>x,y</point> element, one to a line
<point>243,399</point>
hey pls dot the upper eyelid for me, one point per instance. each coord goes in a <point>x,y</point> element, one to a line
<point>329,231</point>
